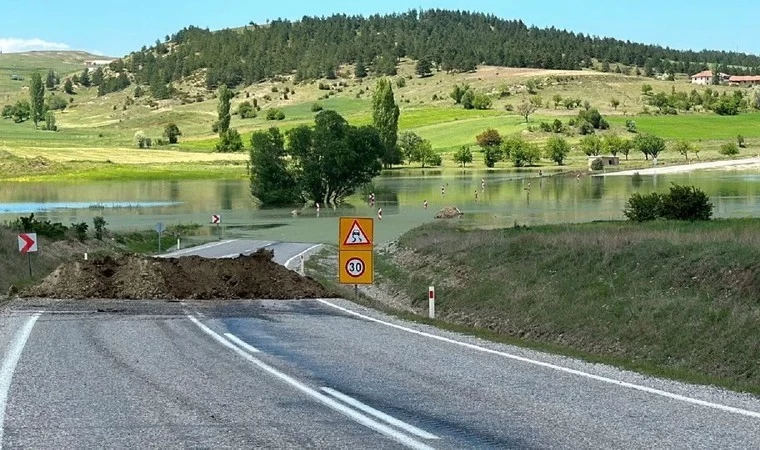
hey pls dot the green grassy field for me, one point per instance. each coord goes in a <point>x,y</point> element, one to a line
<point>102,129</point>
<point>669,298</point>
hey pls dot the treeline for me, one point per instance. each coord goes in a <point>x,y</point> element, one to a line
<point>454,40</point>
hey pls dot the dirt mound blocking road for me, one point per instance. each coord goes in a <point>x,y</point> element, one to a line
<point>191,277</point>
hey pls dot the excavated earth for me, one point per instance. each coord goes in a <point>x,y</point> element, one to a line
<point>192,277</point>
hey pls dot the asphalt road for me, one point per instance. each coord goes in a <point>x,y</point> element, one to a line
<point>322,374</point>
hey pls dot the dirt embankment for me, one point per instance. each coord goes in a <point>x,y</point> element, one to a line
<point>191,277</point>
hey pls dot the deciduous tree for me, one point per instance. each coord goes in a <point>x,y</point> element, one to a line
<point>224,95</point>
<point>557,149</point>
<point>172,133</point>
<point>272,180</point>
<point>463,155</point>
<point>525,109</point>
<point>385,114</point>
<point>37,99</point>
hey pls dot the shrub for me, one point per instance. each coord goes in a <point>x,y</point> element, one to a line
<point>246,110</point>
<point>509,107</point>
<point>597,164</point>
<point>740,141</point>
<point>80,231</point>
<point>435,160</point>
<point>275,114</point>
<point>630,125</point>
<point>729,149</point>
<point>481,101</point>
<point>45,228</point>
<point>584,127</point>
<point>685,203</point>
<point>141,141</point>
<point>400,82</point>
<point>643,208</point>
<point>681,203</point>
<point>316,107</point>
<point>99,223</point>
<point>544,126</point>
<point>229,141</point>
<point>557,126</point>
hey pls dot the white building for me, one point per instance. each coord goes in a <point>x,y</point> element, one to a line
<point>705,77</point>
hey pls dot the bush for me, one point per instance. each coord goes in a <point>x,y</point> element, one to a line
<point>740,141</point>
<point>275,114</point>
<point>481,101</point>
<point>509,107</point>
<point>229,141</point>
<point>643,208</point>
<point>681,203</point>
<point>45,228</point>
<point>316,107</point>
<point>435,160</point>
<point>80,231</point>
<point>99,223</point>
<point>729,149</point>
<point>597,164</point>
<point>685,203</point>
<point>630,125</point>
<point>584,127</point>
<point>400,82</point>
<point>545,127</point>
<point>141,141</point>
<point>246,110</point>
<point>557,126</point>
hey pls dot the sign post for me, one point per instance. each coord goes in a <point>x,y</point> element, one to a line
<point>217,220</point>
<point>27,243</point>
<point>159,230</point>
<point>356,251</point>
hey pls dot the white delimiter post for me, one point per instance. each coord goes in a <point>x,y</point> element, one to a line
<point>431,302</point>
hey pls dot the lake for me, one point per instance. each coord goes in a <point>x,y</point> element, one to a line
<point>508,198</point>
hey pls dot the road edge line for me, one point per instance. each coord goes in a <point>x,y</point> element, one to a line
<point>638,387</point>
<point>327,401</point>
<point>241,343</point>
<point>9,365</point>
<point>291,259</point>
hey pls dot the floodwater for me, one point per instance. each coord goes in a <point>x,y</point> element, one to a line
<point>507,198</point>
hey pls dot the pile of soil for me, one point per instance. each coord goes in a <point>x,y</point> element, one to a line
<point>450,212</point>
<point>191,277</point>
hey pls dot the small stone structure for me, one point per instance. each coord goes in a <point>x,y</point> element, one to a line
<point>606,160</point>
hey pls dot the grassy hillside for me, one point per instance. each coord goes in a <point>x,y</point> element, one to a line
<point>672,298</point>
<point>24,64</point>
<point>96,128</point>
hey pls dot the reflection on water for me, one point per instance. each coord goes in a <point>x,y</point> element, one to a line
<point>492,199</point>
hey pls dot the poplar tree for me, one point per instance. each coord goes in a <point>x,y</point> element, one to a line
<point>37,94</point>
<point>385,114</point>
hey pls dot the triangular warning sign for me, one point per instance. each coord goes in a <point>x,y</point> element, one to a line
<point>356,236</point>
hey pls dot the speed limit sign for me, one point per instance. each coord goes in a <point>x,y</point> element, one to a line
<point>355,267</point>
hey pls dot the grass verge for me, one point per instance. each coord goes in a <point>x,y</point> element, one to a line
<point>675,300</point>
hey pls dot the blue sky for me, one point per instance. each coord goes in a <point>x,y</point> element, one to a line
<point>115,28</point>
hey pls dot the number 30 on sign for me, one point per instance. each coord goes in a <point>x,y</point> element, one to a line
<point>355,267</point>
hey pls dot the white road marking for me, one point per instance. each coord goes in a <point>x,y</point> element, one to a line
<point>9,365</point>
<point>241,343</point>
<point>287,263</point>
<point>356,416</point>
<point>193,249</point>
<point>379,414</point>
<point>637,387</point>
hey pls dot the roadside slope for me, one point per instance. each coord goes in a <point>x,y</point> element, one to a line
<point>675,299</point>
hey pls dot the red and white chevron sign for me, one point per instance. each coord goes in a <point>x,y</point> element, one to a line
<point>27,242</point>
